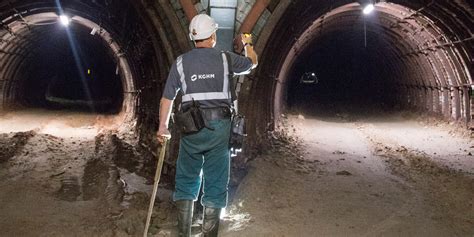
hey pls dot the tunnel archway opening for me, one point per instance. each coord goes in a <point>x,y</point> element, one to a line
<point>71,69</point>
<point>351,77</point>
<point>79,67</point>
<point>397,57</point>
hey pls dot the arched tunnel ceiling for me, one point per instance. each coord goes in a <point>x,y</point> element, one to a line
<point>410,38</point>
<point>136,42</point>
<point>432,39</point>
<point>23,40</point>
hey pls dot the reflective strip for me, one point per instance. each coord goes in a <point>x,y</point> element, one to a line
<point>179,66</point>
<point>206,96</point>
<point>226,73</point>
<point>224,95</point>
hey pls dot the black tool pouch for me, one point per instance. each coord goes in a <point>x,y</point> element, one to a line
<point>237,134</point>
<point>191,121</point>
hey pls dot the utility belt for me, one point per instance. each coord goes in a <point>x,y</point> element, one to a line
<point>210,114</point>
<point>195,118</point>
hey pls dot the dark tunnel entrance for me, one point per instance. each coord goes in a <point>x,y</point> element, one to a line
<point>347,74</point>
<point>45,64</point>
<point>395,58</point>
<point>71,69</point>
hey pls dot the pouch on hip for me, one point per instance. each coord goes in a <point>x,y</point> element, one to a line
<point>191,121</point>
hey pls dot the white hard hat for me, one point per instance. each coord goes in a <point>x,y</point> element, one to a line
<point>201,27</point>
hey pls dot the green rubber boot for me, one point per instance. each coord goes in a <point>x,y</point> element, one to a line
<point>210,225</point>
<point>185,217</point>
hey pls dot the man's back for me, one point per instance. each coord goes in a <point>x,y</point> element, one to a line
<point>204,72</point>
<point>202,75</point>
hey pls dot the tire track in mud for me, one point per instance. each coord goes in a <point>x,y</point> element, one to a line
<point>448,193</point>
<point>101,179</point>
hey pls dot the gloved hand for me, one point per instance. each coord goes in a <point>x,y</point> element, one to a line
<point>246,39</point>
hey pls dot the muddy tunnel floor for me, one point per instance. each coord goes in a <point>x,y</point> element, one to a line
<point>394,174</point>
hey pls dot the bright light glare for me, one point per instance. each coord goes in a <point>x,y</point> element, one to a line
<point>368,9</point>
<point>223,214</point>
<point>65,20</point>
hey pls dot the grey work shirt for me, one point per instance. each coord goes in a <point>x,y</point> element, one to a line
<point>202,75</point>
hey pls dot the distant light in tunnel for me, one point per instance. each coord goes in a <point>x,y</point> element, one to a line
<point>65,20</point>
<point>368,9</point>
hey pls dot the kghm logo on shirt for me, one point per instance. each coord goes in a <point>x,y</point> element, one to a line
<point>202,77</point>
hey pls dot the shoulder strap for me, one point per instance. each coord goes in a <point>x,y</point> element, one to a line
<point>231,76</point>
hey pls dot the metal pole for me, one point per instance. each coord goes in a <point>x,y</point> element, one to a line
<point>161,159</point>
<point>365,32</point>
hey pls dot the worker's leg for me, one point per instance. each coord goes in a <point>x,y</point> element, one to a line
<point>216,171</point>
<point>216,167</point>
<point>185,217</point>
<point>188,172</point>
<point>188,182</point>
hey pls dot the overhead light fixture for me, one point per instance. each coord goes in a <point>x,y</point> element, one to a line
<point>65,20</point>
<point>368,9</point>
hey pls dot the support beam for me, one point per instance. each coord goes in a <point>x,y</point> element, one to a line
<point>467,104</point>
<point>188,8</point>
<point>446,108</point>
<point>457,103</point>
<point>250,21</point>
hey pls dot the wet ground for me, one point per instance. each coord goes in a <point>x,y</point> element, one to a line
<point>382,176</point>
<point>66,174</point>
<point>340,175</point>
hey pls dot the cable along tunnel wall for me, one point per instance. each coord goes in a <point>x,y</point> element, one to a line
<point>429,56</point>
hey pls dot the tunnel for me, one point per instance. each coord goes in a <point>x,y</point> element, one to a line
<point>56,77</point>
<point>80,89</point>
<point>403,56</point>
<point>93,62</point>
<point>347,73</point>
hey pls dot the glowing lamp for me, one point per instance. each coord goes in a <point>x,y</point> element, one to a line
<point>368,9</point>
<point>65,20</point>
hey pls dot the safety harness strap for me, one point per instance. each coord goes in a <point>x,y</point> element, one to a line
<point>179,66</point>
<point>231,77</point>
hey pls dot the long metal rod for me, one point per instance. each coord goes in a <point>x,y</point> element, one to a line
<point>365,32</point>
<point>161,159</point>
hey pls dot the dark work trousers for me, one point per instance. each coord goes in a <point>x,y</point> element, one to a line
<point>205,157</point>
